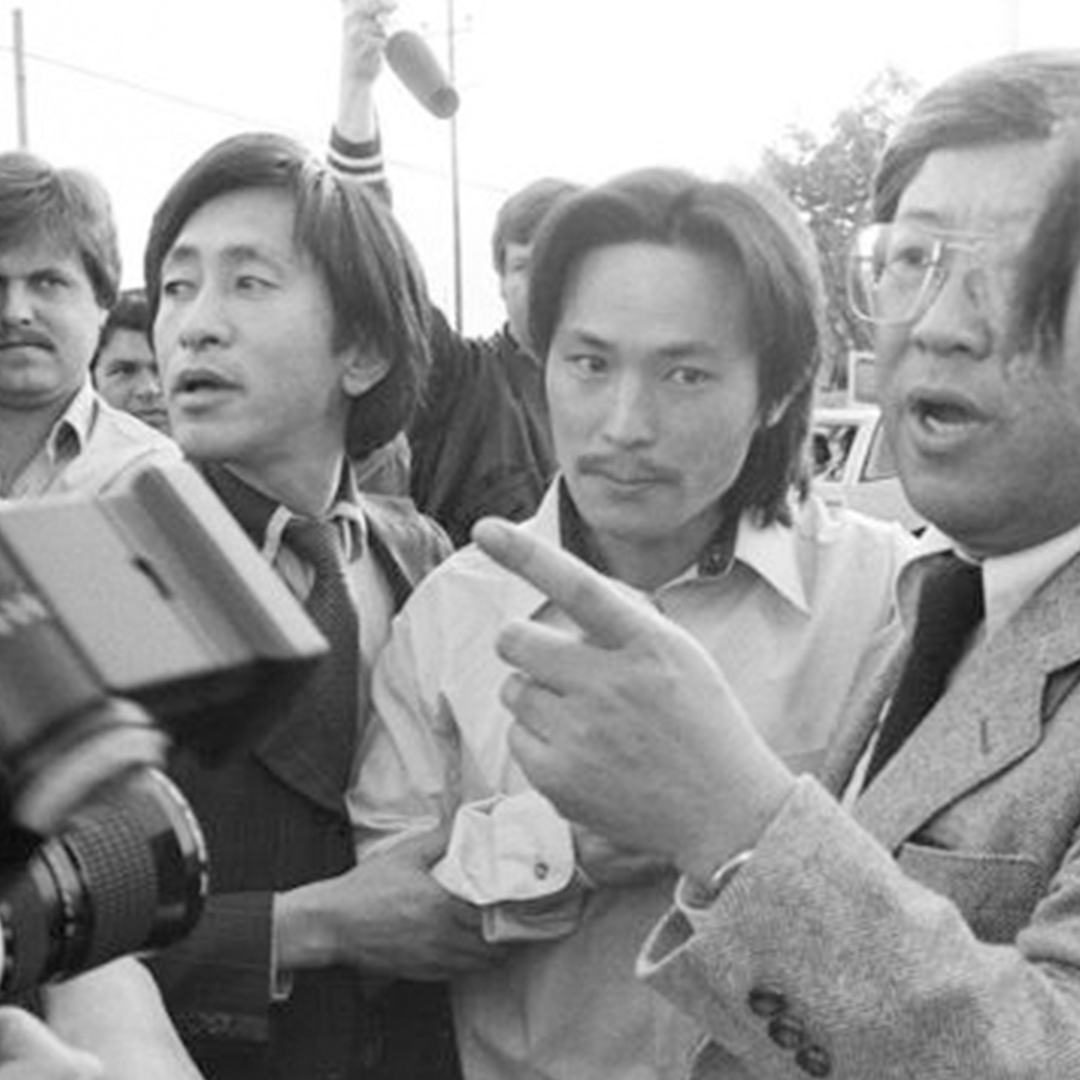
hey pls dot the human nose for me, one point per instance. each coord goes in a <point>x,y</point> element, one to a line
<point>958,317</point>
<point>148,385</point>
<point>630,417</point>
<point>202,320</point>
<point>16,308</point>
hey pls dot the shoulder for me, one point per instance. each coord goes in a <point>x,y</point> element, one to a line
<point>407,533</point>
<point>847,531</point>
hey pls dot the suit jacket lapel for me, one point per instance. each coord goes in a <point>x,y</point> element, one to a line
<point>991,715</point>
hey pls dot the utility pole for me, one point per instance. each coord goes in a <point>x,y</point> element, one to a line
<point>455,176</point>
<point>20,79</point>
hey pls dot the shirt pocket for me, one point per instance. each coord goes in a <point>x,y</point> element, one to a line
<point>995,893</point>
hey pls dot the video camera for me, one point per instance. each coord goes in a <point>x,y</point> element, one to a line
<point>128,623</point>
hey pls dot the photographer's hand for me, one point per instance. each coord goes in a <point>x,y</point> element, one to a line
<point>629,727</point>
<point>30,1051</point>
<point>115,1012</point>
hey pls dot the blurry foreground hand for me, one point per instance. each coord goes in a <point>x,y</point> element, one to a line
<point>30,1051</point>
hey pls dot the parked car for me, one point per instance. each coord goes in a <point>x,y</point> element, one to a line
<point>854,465</point>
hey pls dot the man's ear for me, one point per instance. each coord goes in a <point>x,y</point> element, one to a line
<point>362,371</point>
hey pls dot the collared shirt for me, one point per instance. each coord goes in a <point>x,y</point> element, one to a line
<point>792,620</point>
<point>92,448</point>
<point>1008,582</point>
<point>265,522</point>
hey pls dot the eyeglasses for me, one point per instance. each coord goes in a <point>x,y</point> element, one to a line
<point>896,270</point>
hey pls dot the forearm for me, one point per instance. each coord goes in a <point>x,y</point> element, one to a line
<point>882,971</point>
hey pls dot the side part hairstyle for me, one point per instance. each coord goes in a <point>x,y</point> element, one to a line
<point>756,229</point>
<point>67,207</point>
<point>376,287</point>
<point>1021,97</point>
<point>522,214</point>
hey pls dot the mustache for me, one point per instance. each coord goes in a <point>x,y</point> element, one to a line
<point>10,338</point>
<point>619,466</point>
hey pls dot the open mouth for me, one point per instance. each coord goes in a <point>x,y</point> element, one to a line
<point>943,412</point>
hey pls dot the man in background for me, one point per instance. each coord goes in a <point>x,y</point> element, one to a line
<point>124,369</point>
<point>481,442</point>
<point>59,276</point>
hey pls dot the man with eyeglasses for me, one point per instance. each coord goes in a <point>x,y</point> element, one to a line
<point>915,910</point>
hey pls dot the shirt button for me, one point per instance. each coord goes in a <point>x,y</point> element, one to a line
<point>788,1032</point>
<point>814,1061</point>
<point>766,1003</point>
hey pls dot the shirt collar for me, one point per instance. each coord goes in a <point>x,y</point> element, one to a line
<point>70,432</point>
<point>767,550</point>
<point>265,520</point>
<point>1009,581</point>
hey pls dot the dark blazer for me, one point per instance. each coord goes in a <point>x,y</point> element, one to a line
<point>275,818</point>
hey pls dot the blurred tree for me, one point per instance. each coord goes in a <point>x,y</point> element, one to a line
<point>829,180</point>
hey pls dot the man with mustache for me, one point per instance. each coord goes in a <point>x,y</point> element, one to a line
<point>916,913</point>
<point>59,276</point>
<point>679,322</point>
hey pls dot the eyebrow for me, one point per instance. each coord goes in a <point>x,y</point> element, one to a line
<point>676,350</point>
<point>235,254</point>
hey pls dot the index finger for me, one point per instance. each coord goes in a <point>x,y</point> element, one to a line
<point>609,617</point>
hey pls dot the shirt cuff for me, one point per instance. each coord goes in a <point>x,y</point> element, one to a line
<point>691,898</point>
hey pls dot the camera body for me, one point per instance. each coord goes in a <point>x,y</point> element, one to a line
<point>129,623</point>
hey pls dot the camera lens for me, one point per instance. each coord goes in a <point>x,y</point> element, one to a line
<point>127,873</point>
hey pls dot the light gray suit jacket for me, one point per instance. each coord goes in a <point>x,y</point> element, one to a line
<point>935,930</point>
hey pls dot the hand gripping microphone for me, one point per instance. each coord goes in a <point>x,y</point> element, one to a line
<point>412,60</point>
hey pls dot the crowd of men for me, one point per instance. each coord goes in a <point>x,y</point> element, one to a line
<point>673,772</point>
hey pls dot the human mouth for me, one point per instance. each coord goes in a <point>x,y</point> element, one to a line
<point>23,341</point>
<point>941,416</point>
<point>620,474</point>
<point>196,384</point>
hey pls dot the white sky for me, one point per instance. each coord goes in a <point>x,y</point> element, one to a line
<point>577,88</point>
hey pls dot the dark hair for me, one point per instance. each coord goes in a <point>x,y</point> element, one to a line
<point>523,212</point>
<point>375,283</point>
<point>69,207</point>
<point>758,230</point>
<point>130,312</point>
<point>1014,98</point>
<point>1047,268</point>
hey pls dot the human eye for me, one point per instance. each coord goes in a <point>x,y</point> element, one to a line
<point>909,254</point>
<point>689,376</point>
<point>176,288</point>
<point>122,369</point>
<point>46,281</point>
<point>254,284</point>
<point>586,365</point>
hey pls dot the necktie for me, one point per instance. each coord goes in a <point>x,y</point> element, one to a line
<point>950,607</point>
<point>331,696</point>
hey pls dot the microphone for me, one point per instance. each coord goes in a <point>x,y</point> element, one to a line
<point>413,62</point>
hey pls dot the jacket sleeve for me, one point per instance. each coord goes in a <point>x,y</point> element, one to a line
<point>823,957</point>
<point>217,979</point>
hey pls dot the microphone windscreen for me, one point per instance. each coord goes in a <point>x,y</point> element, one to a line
<point>411,59</point>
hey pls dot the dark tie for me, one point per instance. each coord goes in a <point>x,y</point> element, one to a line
<point>331,697</point>
<point>950,607</point>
